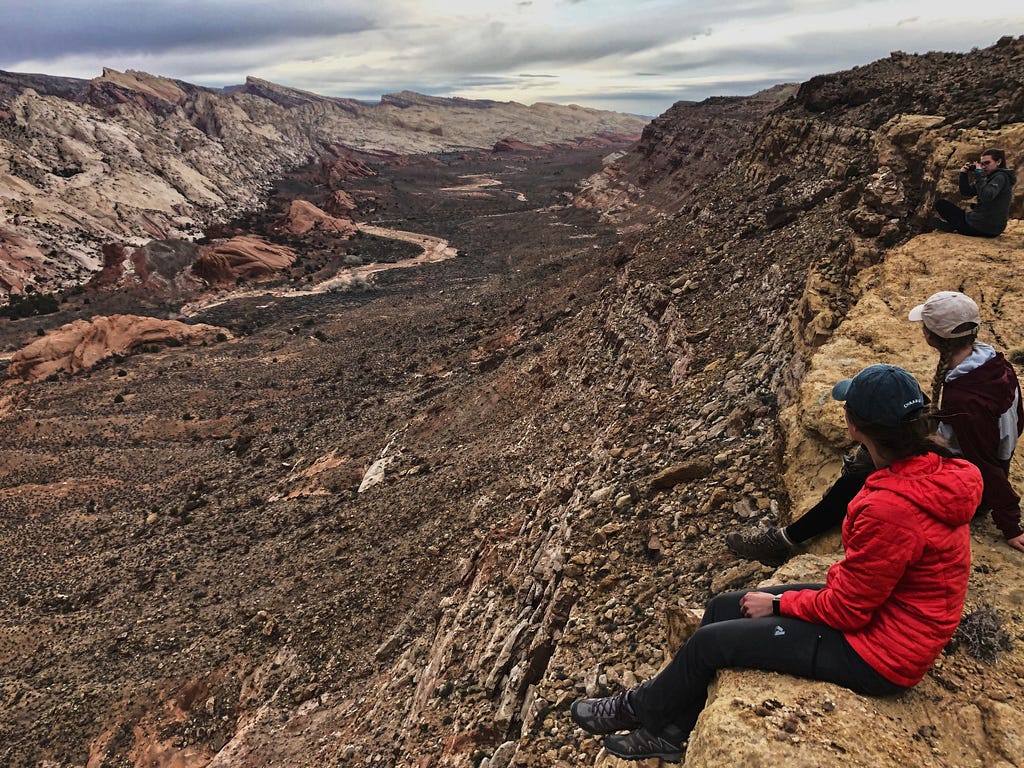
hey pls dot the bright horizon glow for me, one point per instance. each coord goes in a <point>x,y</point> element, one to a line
<point>639,57</point>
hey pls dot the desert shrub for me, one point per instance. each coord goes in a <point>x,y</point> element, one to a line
<point>981,633</point>
<point>350,283</point>
<point>29,305</point>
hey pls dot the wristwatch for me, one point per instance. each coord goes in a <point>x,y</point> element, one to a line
<point>777,605</point>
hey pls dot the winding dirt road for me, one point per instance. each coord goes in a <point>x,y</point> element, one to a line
<point>435,249</point>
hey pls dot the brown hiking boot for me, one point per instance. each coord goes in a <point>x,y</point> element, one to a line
<point>606,715</point>
<point>765,545</point>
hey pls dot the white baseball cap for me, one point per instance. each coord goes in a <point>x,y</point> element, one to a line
<point>948,314</point>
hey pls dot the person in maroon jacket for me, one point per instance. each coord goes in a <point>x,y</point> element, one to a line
<point>981,417</point>
<point>981,414</point>
<point>885,611</point>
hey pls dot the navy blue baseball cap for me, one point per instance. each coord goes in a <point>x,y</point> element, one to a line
<point>881,394</point>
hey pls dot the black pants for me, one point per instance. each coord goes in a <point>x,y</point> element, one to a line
<point>725,639</point>
<point>956,217</point>
<point>830,511</point>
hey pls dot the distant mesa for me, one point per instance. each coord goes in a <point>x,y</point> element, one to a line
<point>80,345</point>
<point>597,141</point>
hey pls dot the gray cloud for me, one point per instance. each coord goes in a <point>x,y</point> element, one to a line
<point>115,26</point>
<point>639,58</point>
<point>806,55</point>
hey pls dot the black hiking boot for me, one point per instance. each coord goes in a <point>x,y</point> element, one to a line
<point>606,715</point>
<point>765,545</point>
<point>642,744</point>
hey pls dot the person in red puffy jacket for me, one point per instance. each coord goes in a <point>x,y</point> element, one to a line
<point>885,611</point>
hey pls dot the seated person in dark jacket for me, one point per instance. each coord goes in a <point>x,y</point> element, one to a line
<point>992,182</point>
<point>981,419</point>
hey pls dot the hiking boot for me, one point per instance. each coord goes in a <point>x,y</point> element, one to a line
<point>765,545</point>
<point>606,715</point>
<point>641,744</point>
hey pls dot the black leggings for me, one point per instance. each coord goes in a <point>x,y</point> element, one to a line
<point>957,218</point>
<point>830,511</point>
<point>727,640</point>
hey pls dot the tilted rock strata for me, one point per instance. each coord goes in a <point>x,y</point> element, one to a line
<point>678,153</point>
<point>80,345</point>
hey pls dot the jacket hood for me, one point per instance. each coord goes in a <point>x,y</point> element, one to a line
<point>1009,172</point>
<point>993,383</point>
<point>948,490</point>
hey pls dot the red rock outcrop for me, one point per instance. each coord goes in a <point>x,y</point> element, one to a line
<point>335,168</point>
<point>340,203</point>
<point>303,217</point>
<point>78,346</point>
<point>514,145</point>
<point>245,257</point>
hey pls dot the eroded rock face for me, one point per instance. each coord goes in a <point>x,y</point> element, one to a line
<point>78,346</point>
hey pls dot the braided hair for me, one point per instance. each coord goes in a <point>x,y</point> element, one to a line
<point>947,350</point>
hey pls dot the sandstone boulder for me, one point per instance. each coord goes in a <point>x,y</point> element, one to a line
<point>303,217</point>
<point>241,257</point>
<point>82,344</point>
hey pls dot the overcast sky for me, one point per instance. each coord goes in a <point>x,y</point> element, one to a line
<point>629,55</point>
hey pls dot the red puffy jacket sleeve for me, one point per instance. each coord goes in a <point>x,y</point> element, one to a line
<point>877,553</point>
